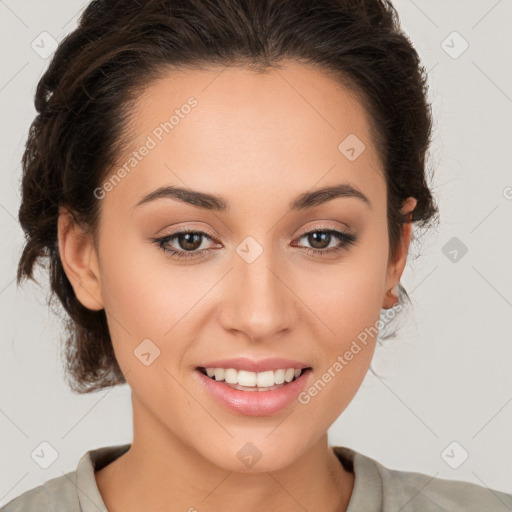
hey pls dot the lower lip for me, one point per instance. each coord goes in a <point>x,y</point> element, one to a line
<point>254,403</point>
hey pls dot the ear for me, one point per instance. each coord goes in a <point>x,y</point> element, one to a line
<point>397,264</point>
<point>79,260</point>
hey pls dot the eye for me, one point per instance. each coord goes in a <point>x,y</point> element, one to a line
<point>188,244</point>
<point>320,239</point>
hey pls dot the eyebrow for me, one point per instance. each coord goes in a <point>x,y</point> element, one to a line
<point>218,203</point>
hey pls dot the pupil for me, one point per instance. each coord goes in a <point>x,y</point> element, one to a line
<point>314,239</point>
<point>190,245</point>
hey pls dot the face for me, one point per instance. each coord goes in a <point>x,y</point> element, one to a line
<point>260,272</point>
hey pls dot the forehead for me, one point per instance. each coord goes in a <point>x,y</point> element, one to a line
<point>221,128</point>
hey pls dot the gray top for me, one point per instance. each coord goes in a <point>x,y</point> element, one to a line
<point>376,489</point>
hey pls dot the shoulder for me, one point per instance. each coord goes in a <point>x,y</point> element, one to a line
<point>74,491</point>
<point>55,494</point>
<point>412,491</point>
<point>32,500</point>
<point>381,489</point>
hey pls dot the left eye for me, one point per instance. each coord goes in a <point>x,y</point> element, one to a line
<point>318,237</point>
<point>189,242</point>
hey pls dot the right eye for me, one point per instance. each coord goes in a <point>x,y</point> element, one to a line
<point>190,242</point>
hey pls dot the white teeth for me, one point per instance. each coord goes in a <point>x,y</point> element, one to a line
<point>230,376</point>
<point>279,376</point>
<point>253,379</point>
<point>245,378</point>
<point>265,379</point>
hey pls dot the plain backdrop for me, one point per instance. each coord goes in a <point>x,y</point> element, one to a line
<point>444,391</point>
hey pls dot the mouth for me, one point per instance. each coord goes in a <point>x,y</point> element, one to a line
<point>274,387</point>
<point>245,380</point>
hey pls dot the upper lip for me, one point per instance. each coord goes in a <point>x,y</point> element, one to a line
<point>252,365</point>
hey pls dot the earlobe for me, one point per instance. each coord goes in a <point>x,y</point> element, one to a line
<point>79,260</point>
<point>397,265</point>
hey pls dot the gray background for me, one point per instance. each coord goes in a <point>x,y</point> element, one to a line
<point>445,378</point>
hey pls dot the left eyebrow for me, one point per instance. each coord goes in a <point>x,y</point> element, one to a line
<point>322,195</point>
<point>218,203</point>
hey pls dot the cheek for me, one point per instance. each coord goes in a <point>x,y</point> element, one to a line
<point>348,295</point>
<point>148,297</point>
<point>144,306</point>
<point>348,301</point>
<point>140,288</point>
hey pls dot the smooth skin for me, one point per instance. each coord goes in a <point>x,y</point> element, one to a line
<point>259,141</point>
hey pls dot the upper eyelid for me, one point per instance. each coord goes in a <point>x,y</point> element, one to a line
<point>305,232</point>
<point>317,227</point>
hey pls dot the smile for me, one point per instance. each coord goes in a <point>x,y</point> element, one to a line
<point>246,380</point>
<point>253,393</point>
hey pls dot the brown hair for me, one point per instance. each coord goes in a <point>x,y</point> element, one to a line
<point>83,103</point>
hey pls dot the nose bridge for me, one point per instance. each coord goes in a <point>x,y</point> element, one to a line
<point>259,304</point>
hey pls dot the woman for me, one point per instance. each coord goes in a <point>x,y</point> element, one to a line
<point>225,192</point>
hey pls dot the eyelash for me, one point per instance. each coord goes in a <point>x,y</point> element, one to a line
<point>346,239</point>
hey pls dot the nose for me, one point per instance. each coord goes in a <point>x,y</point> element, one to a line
<point>258,299</point>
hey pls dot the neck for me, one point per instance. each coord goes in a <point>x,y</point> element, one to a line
<point>159,472</point>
